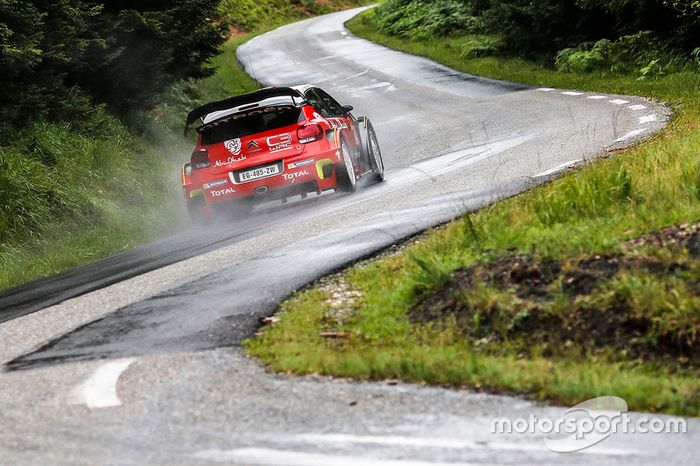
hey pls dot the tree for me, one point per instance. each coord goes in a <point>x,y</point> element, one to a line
<point>40,41</point>
<point>56,55</point>
<point>148,46</point>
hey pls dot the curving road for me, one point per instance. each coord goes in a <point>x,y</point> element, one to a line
<point>136,359</point>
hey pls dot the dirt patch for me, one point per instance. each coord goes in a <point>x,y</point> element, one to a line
<point>529,278</point>
<point>534,280</point>
<point>555,306</point>
<point>236,31</point>
<point>588,273</point>
<point>681,237</point>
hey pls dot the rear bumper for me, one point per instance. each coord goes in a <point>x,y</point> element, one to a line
<point>297,175</point>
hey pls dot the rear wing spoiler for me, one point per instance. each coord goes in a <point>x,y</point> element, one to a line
<point>237,101</point>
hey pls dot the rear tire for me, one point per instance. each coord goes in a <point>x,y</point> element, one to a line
<point>196,215</point>
<point>346,179</point>
<point>374,154</point>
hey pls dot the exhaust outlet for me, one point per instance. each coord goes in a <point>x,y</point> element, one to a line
<point>260,190</point>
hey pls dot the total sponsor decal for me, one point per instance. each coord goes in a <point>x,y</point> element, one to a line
<point>300,163</point>
<point>280,142</point>
<point>222,192</point>
<point>293,176</point>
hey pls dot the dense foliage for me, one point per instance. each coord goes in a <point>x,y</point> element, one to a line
<point>250,15</point>
<point>57,56</point>
<point>543,27</point>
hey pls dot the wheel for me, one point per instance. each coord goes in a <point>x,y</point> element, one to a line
<point>194,207</point>
<point>374,154</point>
<point>346,178</point>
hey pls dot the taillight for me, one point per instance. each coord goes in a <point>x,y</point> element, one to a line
<point>200,159</point>
<point>309,133</point>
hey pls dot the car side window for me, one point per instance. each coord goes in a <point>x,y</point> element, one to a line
<point>317,103</point>
<point>335,108</point>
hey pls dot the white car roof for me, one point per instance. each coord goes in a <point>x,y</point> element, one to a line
<point>272,101</point>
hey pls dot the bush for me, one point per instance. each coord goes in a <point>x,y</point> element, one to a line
<point>538,28</point>
<point>642,51</point>
<point>426,19</point>
<point>480,46</point>
<point>580,61</point>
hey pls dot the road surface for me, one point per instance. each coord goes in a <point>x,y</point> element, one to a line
<point>136,360</point>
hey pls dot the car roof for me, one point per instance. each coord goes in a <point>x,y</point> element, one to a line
<point>269,102</point>
<point>221,108</point>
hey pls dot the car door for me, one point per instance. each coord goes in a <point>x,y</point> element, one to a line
<point>346,121</point>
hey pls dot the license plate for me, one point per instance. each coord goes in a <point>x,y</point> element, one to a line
<point>256,173</point>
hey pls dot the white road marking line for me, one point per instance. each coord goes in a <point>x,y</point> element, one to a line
<point>373,86</point>
<point>100,389</point>
<point>631,134</point>
<point>647,119</point>
<point>329,57</point>
<point>596,97</point>
<point>361,73</point>
<point>387,440</point>
<point>444,443</point>
<point>559,168</point>
<point>344,33</point>
<point>572,93</point>
<point>423,442</point>
<point>637,107</point>
<point>267,456</point>
<point>593,450</point>
<point>546,89</point>
<point>397,119</point>
<point>619,101</point>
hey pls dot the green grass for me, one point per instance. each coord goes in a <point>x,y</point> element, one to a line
<point>230,77</point>
<point>594,210</point>
<point>67,199</point>
<point>260,15</point>
<point>382,345</point>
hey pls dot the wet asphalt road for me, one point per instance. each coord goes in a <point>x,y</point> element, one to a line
<point>148,370</point>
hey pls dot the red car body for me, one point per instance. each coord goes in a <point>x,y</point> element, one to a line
<point>273,144</point>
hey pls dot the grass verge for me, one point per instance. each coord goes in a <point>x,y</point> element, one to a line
<point>585,287</point>
<point>67,199</point>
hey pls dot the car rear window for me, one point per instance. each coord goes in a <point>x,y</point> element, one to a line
<point>255,121</point>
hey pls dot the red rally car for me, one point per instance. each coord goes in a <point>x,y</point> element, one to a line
<point>275,143</point>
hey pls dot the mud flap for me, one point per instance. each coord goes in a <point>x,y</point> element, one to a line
<point>361,126</point>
